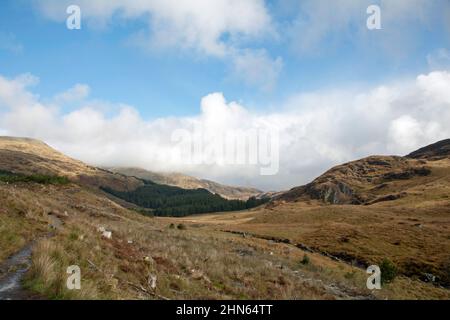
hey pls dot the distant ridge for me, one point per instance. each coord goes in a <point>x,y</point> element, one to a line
<point>440,149</point>
<point>188,182</point>
<point>31,156</point>
<point>372,179</point>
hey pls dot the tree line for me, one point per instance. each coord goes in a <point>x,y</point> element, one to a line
<point>164,200</point>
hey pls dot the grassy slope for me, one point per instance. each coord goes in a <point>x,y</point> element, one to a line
<point>413,231</point>
<point>21,219</point>
<point>33,157</point>
<point>205,262</point>
<point>199,262</point>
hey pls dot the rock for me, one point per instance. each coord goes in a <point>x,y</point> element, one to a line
<point>107,234</point>
<point>429,277</point>
<point>198,275</point>
<point>148,260</point>
<point>244,252</point>
<point>152,281</point>
<point>268,264</point>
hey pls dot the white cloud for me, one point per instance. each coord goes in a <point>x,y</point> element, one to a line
<point>76,93</point>
<point>14,93</point>
<point>256,68</point>
<point>219,28</point>
<point>198,24</point>
<point>321,24</point>
<point>406,132</point>
<point>317,130</point>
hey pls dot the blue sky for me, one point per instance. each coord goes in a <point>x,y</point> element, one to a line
<point>171,81</point>
<point>113,92</point>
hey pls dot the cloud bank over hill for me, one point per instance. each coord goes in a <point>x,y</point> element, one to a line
<point>316,129</point>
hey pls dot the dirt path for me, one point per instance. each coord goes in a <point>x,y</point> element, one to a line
<point>15,267</point>
<point>12,272</point>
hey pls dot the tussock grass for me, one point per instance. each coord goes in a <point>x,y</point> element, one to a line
<point>48,274</point>
<point>200,262</point>
<point>21,220</point>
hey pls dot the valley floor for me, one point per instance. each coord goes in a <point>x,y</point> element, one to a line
<point>185,258</point>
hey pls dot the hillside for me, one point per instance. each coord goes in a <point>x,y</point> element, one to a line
<point>435,151</point>
<point>368,210</point>
<point>375,178</point>
<point>29,156</point>
<point>32,160</point>
<point>299,248</point>
<point>188,182</point>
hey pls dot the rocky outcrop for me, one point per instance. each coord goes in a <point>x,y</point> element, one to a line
<point>370,180</point>
<point>438,150</point>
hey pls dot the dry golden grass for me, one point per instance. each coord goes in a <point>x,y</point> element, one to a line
<point>21,219</point>
<point>380,229</point>
<point>192,263</point>
<point>200,262</point>
<point>204,260</point>
<point>29,156</point>
<point>413,231</point>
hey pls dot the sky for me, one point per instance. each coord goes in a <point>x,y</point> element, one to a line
<point>115,91</point>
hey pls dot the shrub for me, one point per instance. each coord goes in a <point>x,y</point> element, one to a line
<point>181,227</point>
<point>388,271</point>
<point>73,236</point>
<point>10,177</point>
<point>305,260</point>
<point>350,275</point>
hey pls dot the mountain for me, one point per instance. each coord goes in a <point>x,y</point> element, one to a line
<point>188,182</point>
<point>53,214</point>
<point>29,156</point>
<point>23,159</point>
<point>378,208</point>
<point>56,211</point>
<point>376,178</point>
<point>435,151</point>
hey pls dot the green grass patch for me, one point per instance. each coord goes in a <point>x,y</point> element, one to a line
<point>305,260</point>
<point>10,177</point>
<point>388,271</point>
